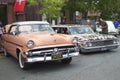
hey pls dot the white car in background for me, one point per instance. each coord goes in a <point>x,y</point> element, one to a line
<point>111,28</point>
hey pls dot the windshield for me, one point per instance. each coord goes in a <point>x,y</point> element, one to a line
<point>35,28</point>
<point>81,30</point>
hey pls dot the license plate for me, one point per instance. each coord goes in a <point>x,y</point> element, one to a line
<point>57,56</point>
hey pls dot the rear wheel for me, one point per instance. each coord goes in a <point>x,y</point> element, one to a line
<point>66,61</point>
<point>22,63</point>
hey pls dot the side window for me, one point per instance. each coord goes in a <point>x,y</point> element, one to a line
<point>13,29</point>
<point>6,28</point>
<point>57,29</point>
<point>64,30</point>
<point>25,28</point>
<point>61,30</point>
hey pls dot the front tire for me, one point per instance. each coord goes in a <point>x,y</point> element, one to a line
<point>66,61</point>
<point>22,63</point>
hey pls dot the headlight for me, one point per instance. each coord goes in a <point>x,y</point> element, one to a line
<point>88,44</point>
<point>75,40</point>
<point>115,42</point>
<point>30,44</point>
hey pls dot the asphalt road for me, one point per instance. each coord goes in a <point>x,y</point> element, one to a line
<point>93,66</point>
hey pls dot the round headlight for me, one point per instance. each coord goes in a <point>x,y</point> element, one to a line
<point>115,42</point>
<point>30,44</point>
<point>88,44</point>
<point>75,40</point>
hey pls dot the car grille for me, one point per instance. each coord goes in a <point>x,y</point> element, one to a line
<point>50,51</point>
<point>102,43</point>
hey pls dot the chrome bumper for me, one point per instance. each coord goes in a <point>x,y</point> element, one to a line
<point>98,48</point>
<point>49,58</point>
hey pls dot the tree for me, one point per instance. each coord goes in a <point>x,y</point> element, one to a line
<point>108,8</point>
<point>82,6</point>
<point>51,8</point>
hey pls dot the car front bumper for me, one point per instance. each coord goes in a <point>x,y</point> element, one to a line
<point>98,48</point>
<point>50,58</point>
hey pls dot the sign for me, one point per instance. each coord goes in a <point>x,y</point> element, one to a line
<point>19,5</point>
<point>76,13</point>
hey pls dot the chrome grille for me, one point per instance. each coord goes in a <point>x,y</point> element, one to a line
<point>102,43</point>
<point>50,51</point>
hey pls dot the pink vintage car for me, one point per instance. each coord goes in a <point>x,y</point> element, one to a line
<point>35,41</point>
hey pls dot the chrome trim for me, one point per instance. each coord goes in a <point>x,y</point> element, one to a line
<point>98,48</point>
<point>49,58</point>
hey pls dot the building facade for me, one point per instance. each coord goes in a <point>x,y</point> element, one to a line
<point>6,11</point>
<point>7,14</point>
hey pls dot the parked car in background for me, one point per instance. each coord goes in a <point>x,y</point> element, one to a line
<point>36,41</point>
<point>111,28</point>
<point>89,41</point>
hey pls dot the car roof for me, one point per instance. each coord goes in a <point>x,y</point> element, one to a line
<point>29,22</point>
<point>69,25</point>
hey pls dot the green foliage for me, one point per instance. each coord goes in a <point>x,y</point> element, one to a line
<point>52,8</point>
<point>107,7</point>
<point>33,2</point>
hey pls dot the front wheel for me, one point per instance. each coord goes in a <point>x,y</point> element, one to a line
<point>66,61</point>
<point>22,63</point>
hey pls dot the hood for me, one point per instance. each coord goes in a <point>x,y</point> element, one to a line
<point>91,37</point>
<point>45,38</point>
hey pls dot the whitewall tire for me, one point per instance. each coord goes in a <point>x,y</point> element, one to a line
<point>22,63</point>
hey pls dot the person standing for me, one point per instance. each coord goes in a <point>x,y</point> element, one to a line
<point>116,23</point>
<point>1,33</point>
<point>1,24</point>
<point>104,26</point>
<point>1,28</point>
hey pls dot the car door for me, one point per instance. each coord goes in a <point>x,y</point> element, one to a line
<point>9,40</point>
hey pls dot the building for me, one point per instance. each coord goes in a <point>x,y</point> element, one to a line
<point>7,15</point>
<point>6,11</point>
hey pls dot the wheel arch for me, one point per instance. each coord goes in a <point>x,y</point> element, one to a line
<point>18,50</point>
